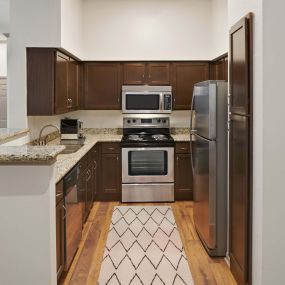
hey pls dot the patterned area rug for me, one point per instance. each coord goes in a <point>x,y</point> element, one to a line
<point>144,247</point>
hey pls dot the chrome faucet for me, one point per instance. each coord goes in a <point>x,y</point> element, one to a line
<point>40,140</point>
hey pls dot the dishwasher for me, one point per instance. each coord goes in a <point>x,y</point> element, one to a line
<point>73,218</point>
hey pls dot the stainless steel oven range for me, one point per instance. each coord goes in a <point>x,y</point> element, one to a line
<point>147,160</point>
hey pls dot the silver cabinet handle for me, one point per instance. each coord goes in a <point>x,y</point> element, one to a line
<point>111,148</point>
<point>65,212</point>
<point>117,158</point>
<point>95,164</point>
<point>58,194</point>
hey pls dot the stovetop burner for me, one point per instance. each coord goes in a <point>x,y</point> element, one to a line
<point>160,137</point>
<point>151,133</point>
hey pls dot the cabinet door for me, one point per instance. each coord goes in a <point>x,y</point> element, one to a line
<point>61,83</point>
<point>158,73</point>
<point>134,73</point>
<point>184,76</point>
<point>110,177</point>
<point>83,194</point>
<point>239,197</point>
<point>220,70</point>
<point>89,189</point>
<point>102,86</point>
<point>240,68</point>
<point>95,160</point>
<point>73,84</point>
<point>183,177</point>
<point>60,239</point>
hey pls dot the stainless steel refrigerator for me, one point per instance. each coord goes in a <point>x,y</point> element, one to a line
<point>208,128</point>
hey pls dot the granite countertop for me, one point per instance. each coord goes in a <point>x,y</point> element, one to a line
<point>65,162</point>
<point>28,154</point>
<point>180,134</point>
<point>7,135</point>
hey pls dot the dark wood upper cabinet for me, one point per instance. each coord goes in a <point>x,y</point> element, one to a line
<point>152,73</point>
<point>158,73</point>
<point>183,172</point>
<point>184,76</point>
<point>52,82</point>
<point>134,73</point>
<point>102,85</point>
<point>219,68</point>
<point>61,83</point>
<point>73,83</point>
<point>239,67</point>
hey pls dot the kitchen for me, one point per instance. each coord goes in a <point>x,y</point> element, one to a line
<point>141,49</point>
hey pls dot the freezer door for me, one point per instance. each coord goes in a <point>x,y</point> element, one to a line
<point>204,170</point>
<point>204,107</point>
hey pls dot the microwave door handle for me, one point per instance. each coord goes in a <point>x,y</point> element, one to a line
<point>161,101</point>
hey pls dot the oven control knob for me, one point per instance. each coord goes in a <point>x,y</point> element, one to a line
<point>128,121</point>
<point>158,120</point>
<point>164,121</point>
<point>134,121</point>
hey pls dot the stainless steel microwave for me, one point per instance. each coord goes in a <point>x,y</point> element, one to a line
<point>145,99</point>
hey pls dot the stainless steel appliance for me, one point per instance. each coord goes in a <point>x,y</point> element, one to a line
<point>147,160</point>
<point>70,129</point>
<point>73,218</point>
<point>209,162</point>
<point>145,99</point>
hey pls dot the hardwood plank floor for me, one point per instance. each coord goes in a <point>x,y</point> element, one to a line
<point>86,265</point>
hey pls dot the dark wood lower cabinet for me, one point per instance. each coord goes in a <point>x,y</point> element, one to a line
<point>110,172</point>
<point>60,238</point>
<point>183,173</point>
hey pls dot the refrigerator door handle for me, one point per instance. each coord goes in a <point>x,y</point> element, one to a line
<point>192,112</point>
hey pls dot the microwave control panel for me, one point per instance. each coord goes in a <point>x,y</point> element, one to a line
<point>167,102</point>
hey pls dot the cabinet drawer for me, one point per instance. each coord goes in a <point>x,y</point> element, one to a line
<point>111,148</point>
<point>83,163</point>
<point>182,147</point>
<point>59,191</point>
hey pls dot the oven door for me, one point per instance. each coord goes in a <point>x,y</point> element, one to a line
<point>148,165</point>
<point>142,102</point>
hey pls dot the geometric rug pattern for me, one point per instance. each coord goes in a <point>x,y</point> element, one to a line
<point>144,248</point>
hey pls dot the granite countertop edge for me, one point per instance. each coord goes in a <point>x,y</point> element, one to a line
<point>28,154</point>
<point>7,134</point>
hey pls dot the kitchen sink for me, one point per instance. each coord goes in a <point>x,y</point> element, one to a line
<point>71,148</point>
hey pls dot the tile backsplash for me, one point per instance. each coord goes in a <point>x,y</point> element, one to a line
<point>101,119</point>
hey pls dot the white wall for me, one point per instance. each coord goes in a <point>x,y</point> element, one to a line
<point>146,30</point>
<point>219,28</point>
<point>71,26</point>
<point>237,9</point>
<point>32,23</point>
<point>4,16</point>
<point>273,247</point>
